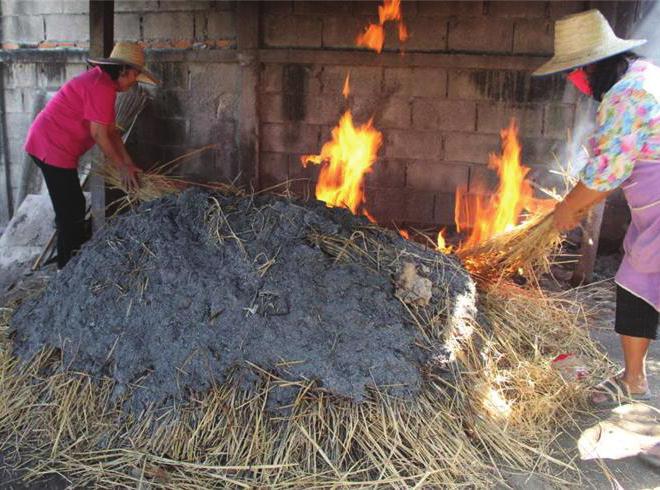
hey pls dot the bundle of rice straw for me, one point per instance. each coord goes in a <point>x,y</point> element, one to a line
<point>525,248</point>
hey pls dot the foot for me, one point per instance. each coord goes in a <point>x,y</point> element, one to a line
<point>651,455</point>
<point>617,389</point>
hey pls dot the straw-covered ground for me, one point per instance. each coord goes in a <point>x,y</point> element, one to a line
<point>407,394</point>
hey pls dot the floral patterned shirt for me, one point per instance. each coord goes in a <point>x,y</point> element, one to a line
<point>628,128</point>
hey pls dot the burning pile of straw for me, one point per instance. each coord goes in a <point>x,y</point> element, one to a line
<point>496,408</point>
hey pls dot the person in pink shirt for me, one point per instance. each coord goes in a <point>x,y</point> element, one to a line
<point>80,115</point>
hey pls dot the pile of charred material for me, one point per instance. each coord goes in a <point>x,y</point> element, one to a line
<point>210,339</point>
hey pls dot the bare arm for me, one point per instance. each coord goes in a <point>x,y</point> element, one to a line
<point>569,211</point>
<point>112,146</point>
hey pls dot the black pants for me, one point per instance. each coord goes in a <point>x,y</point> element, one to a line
<point>634,316</point>
<point>69,205</point>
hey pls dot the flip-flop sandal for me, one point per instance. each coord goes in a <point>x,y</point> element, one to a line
<point>616,392</point>
<point>650,459</point>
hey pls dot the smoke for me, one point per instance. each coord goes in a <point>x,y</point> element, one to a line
<point>647,28</point>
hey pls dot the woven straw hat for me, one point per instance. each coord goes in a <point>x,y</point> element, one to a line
<point>131,54</point>
<point>584,38</point>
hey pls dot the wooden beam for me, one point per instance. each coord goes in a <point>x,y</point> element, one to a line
<point>247,19</point>
<point>101,38</point>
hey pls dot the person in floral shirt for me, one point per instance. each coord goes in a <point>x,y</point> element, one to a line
<point>624,152</point>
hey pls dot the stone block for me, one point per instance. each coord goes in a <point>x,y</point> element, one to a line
<point>450,9</point>
<point>364,80</point>
<point>413,144</point>
<point>321,7</point>
<point>183,5</point>
<point>30,7</point>
<point>18,99</point>
<point>298,31</point>
<point>420,207</point>
<point>424,34</point>
<point>445,204</point>
<point>139,6</point>
<point>213,78</point>
<point>558,121</point>
<point>526,9</point>
<point>367,7</point>
<point>422,82</point>
<point>480,35</point>
<point>271,78</point>
<point>173,75</point>
<point>564,8</point>
<point>277,7</point>
<point>206,130</point>
<point>395,113</point>
<point>290,138</point>
<point>25,29</point>
<point>169,103</point>
<point>504,86</point>
<point>324,110</point>
<point>75,7</point>
<point>17,75</point>
<point>386,204</point>
<point>168,25</point>
<point>127,26</point>
<point>442,114</point>
<point>387,172</point>
<point>273,169</point>
<point>538,151</point>
<point>492,117</point>
<point>220,24</point>
<point>470,147</point>
<point>18,124</point>
<point>533,37</point>
<point>51,75</point>
<point>70,27</point>
<point>72,70</point>
<point>341,31</point>
<point>482,180</point>
<point>436,176</point>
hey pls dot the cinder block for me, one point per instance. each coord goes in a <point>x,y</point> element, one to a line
<point>173,75</point>
<point>290,138</point>
<point>72,70</point>
<point>17,75</point>
<point>420,207</point>
<point>424,34</point>
<point>436,176</point>
<point>74,6</point>
<point>558,121</point>
<point>30,7</point>
<point>367,7</point>
<point>213,78</point>
<point>174,131</point>
<point>387,172</point>
<point>168,25</point>
<point>422,82</point>
<point>298,31</point>
<point>70,27</point>
<point>18,124</point>
<point>139,6</point>
<point>450,115</point>
<point>482,180</point>
<point>470,147</point>
<point>505,86</point>
<point>277,7</point>
<point>19,99</point>
<point>321,109</point>
<point>526,9</point>
<point>445,204</point>
<point>270,108</point>
<point>413,144</point>
<point>492,117</point>
<point>396,113</point>
<point>127,26</point>
<point>450,8</point>
<point>480,35</point>
<point>364,80</point>
<point>25,29</point>
<point>206,129</point>
<point>340,31</point>
<point>182,5</point>
<point>386,204</point>
<point>533,37</point>
<point>558,10</point>
<point>321,7</point>
<point>273,168</point>
<point>169,103</point>
<point>538,151</point>
<point>271,78</point>
<point>50,75</point>
<point>220,24</point>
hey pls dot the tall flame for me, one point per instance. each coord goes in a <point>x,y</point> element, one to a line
<point>345,160</point>
<point>374,35</point>
<point>487,216</point>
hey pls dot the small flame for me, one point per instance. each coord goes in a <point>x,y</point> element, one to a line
<point>404,234</point>
<point>442,243</point>
<point>373,36</point>
<point>345,160</point>
<point>487,216</point>
<point>347,88</point>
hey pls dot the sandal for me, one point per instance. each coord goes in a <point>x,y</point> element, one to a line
<point>616,392</point>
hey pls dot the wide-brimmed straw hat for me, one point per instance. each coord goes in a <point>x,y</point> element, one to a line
<point>584,38</point>
<point>131,54</point>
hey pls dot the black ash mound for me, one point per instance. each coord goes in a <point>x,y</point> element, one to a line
<point>194,288</point>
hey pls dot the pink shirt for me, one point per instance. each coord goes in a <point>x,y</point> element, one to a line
<point>60,134</point>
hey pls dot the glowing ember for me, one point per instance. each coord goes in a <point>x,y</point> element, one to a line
<point>374,35</point>
<point>488,215</point>
<point>404,234</point>
<point>345,160</point>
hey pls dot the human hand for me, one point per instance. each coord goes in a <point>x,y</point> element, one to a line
<point>565,217</point>
<point>130,177</point>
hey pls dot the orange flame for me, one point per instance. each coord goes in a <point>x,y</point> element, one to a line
<point>346,91</point>
<point>373,36</point>
<point>404,234</point>
<point>487,216</point>
<point>442,244</point>
<point>345,160</point>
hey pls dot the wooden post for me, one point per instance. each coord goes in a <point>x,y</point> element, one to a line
<point>101,39</point>
<point>247,19</point>
<point>584,269</point>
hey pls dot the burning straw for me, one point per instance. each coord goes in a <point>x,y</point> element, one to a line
<point>502,412</point>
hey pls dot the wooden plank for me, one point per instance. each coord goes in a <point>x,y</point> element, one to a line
<point>101,36</point>
<point>584,270</point>
<point>247,18</point>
